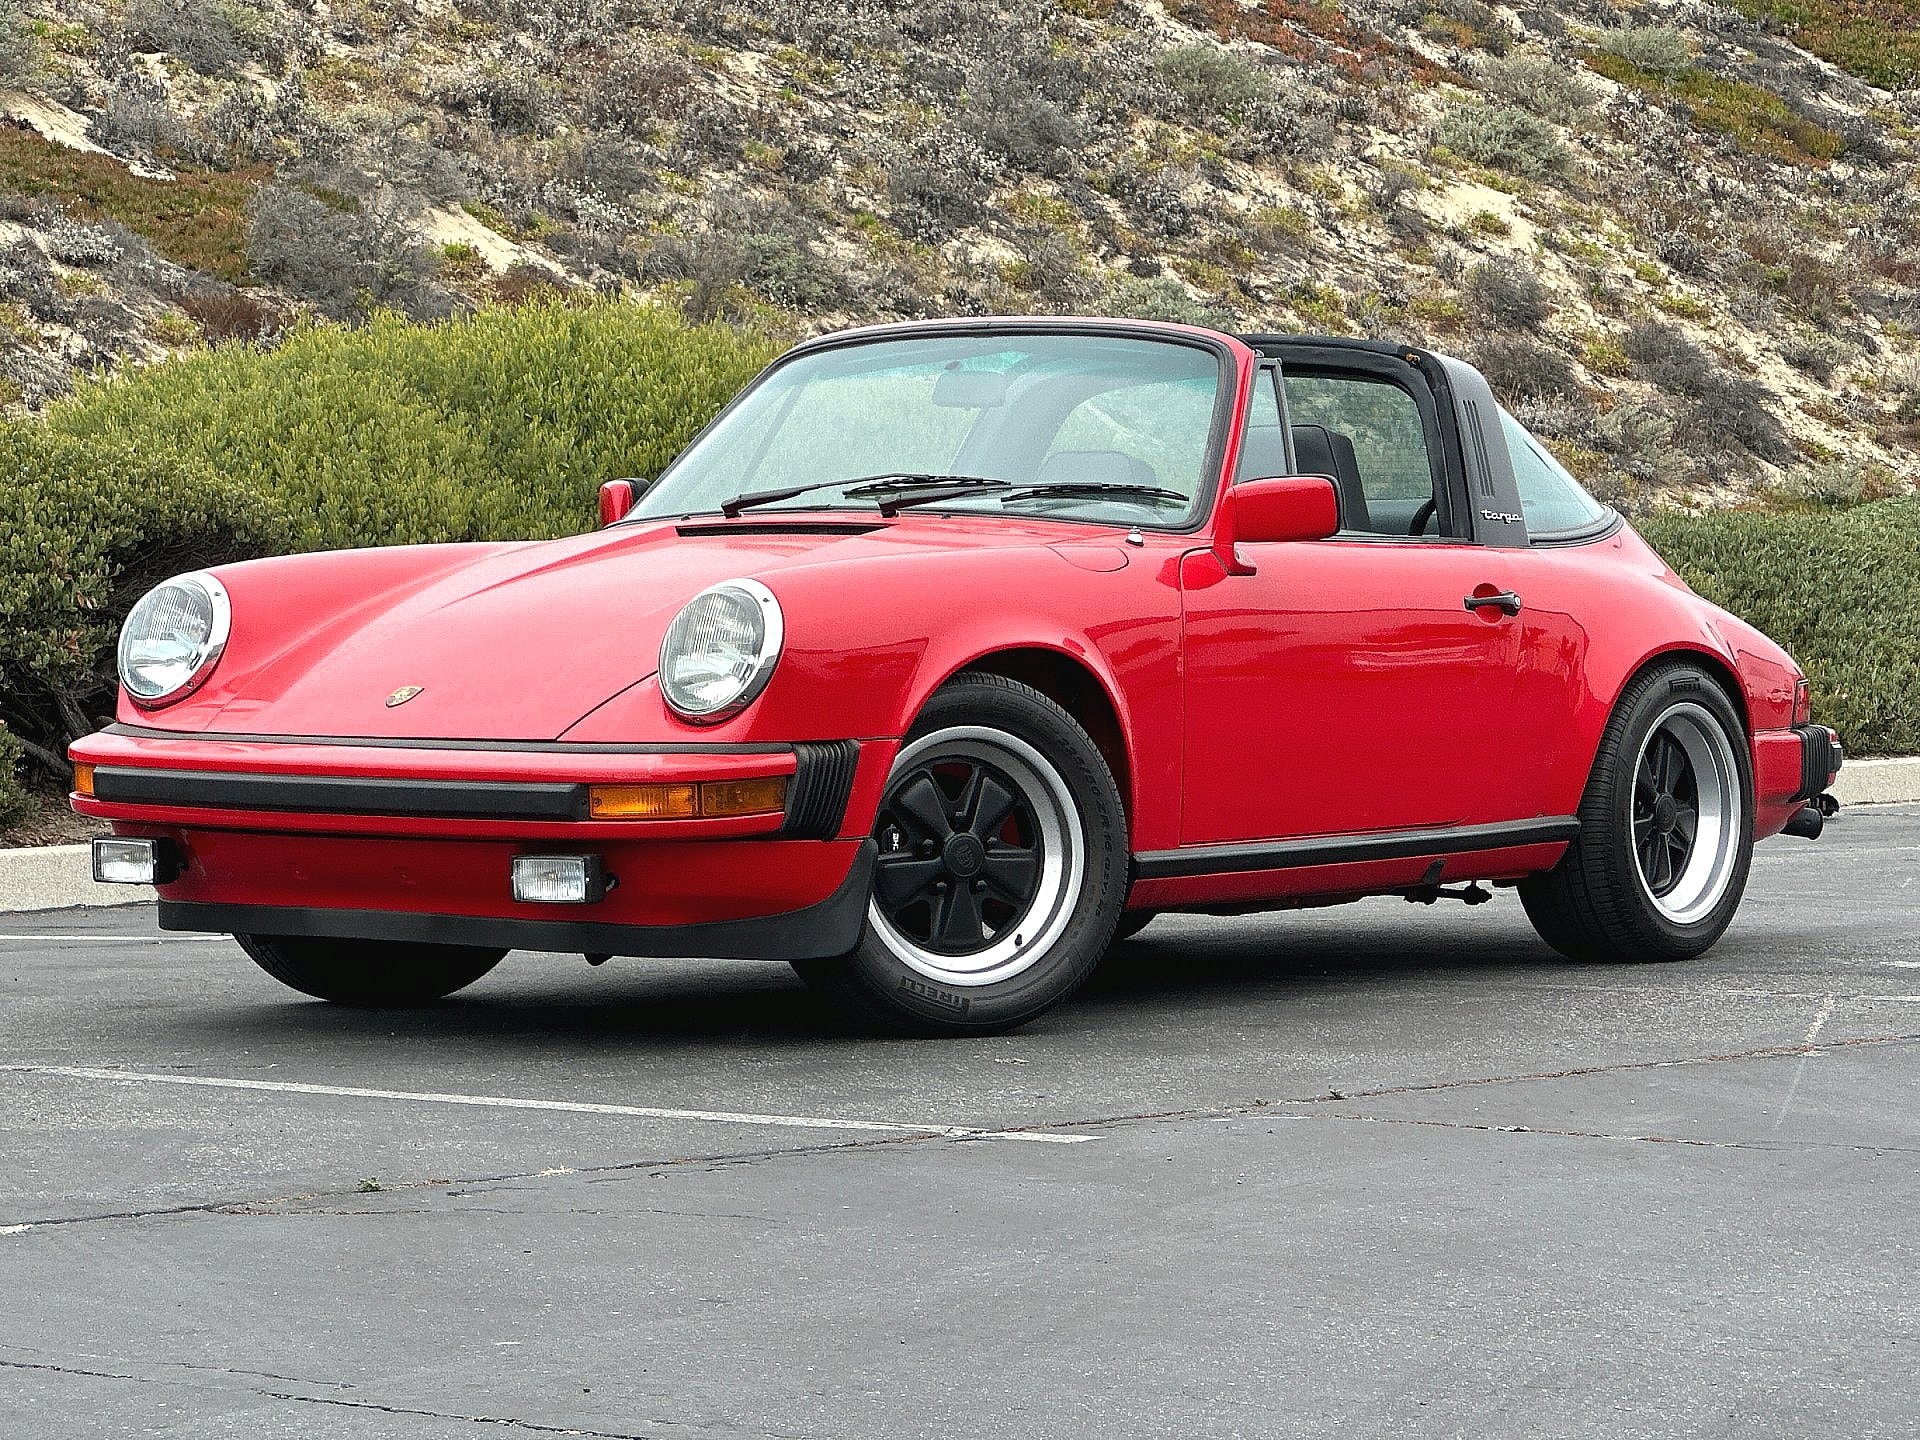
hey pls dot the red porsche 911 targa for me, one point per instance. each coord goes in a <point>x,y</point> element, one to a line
<point>946,654</point>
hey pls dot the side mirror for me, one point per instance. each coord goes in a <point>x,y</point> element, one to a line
<point>1257,512</point>
<point>616,499</point>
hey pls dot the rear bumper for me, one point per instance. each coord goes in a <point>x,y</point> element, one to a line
<point>1792,770</point>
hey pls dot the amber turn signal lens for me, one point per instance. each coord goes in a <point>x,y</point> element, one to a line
<point>712,799</point>
<point>643,802</point>
<point>83,779</point>
<point>744,797</point>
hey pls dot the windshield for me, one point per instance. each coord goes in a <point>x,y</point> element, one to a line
<point>1067,415</point>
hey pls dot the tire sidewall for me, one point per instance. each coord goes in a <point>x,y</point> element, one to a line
<point>1025,715</point>
<point>1647,708</point>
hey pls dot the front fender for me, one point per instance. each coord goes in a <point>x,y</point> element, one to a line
<point>869,641</point>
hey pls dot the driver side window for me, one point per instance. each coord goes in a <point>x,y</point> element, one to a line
<point>1368,437</point>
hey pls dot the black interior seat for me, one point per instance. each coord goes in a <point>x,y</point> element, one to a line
<point>1320,451</point>
<point>1095,467</point>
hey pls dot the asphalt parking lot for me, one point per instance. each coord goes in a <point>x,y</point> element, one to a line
<point>1373,1171</point>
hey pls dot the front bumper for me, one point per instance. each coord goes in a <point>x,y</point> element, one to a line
<point>416,840</point>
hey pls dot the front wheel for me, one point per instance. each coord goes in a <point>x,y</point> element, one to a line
<point>1666,829</point>
<point>373,974</point>
<point>1001,871</point>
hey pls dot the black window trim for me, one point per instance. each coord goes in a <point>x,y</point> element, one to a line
<point>1303,356</point>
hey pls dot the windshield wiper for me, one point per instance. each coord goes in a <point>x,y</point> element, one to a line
<point>1091,489</point>
<point>861,486</point>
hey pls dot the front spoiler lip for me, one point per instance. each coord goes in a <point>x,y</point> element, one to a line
<point>817,932</point>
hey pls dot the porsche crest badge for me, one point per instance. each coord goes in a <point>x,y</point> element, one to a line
<point>403,694</point>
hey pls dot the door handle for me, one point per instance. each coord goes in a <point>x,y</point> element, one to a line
<point>1504,600</point>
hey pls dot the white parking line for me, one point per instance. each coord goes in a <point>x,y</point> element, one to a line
<point>574,1107</point>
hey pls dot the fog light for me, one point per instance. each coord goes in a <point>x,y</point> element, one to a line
<point>134,862</point>
<point>558,879</point>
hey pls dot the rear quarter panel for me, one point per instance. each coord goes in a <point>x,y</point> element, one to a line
<point>1597,615</point>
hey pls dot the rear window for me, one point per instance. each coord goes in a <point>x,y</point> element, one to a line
<point>1550,498</point>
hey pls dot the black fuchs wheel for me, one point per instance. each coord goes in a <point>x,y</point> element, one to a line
<point>1001,870</point>
<point>1666,829</point>
<point>374,974</point>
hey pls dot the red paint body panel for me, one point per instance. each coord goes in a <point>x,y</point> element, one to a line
<point>1333,687</point>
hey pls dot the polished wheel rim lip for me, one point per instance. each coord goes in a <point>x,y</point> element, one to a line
<point>1686,813</point>
<point>1059,847</point>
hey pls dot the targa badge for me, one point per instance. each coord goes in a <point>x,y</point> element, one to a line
<point>403,694</point>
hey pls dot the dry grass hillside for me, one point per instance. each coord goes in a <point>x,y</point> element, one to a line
<point>1683,239</point>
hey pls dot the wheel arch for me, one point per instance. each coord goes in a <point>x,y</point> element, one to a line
<point>1075,687</point>
<point>1718,667</point>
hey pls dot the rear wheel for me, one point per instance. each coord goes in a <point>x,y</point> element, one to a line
<point>1002,867</point>
<point>369,973</point>
<point>1666,829</point>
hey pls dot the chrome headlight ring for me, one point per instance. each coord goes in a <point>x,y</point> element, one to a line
<point>720,651</point>
<point>173,638</point>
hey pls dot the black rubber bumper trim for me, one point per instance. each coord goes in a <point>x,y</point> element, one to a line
<point>1351,849</point>
<point>1821,756</point>
<point>822,781</point>
<point>817,932</point>
<point>341,795</point>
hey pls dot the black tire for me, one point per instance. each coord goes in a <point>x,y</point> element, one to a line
<point>371,974</point>
<point>1133,922</point>
<point>1059,785</point>
<point>1605,900</point>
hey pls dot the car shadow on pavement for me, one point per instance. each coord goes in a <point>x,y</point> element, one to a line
<point>1172,973</point>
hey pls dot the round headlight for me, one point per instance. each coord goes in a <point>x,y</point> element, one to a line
<point>720,650</point>
<point>173,637</point>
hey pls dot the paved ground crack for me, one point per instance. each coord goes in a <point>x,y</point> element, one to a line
<point>509,1422</point>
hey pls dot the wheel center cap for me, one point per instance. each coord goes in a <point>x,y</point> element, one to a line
<point>1665,811</point>
<point>965,855</point>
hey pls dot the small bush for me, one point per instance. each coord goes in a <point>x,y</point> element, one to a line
<point>1504,137</point>
<point>1507,292</point>
<point>1838,589</point>
<point>936,180</point>
<point>214,37</point>
<point>1657,49</point>
<point>1722,409</point>
<point>1211,83</point>
<point>1539,83</point>
<point>1520,369</point>
<point>345,261</point>
<point>231,315</point>
<point>72,243</point>
<point>138,118</point>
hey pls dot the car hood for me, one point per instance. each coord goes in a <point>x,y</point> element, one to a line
<point>501,642</point>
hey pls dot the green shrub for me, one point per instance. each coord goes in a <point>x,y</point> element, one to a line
<point>92,525</point>
<point>496,426</point>
<point>1839,590</point>
<point>1539,83</point>
<point>1210,82</point>
<point>1657,49</point>
<point>13,794</point>
<point>1503,136</point>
